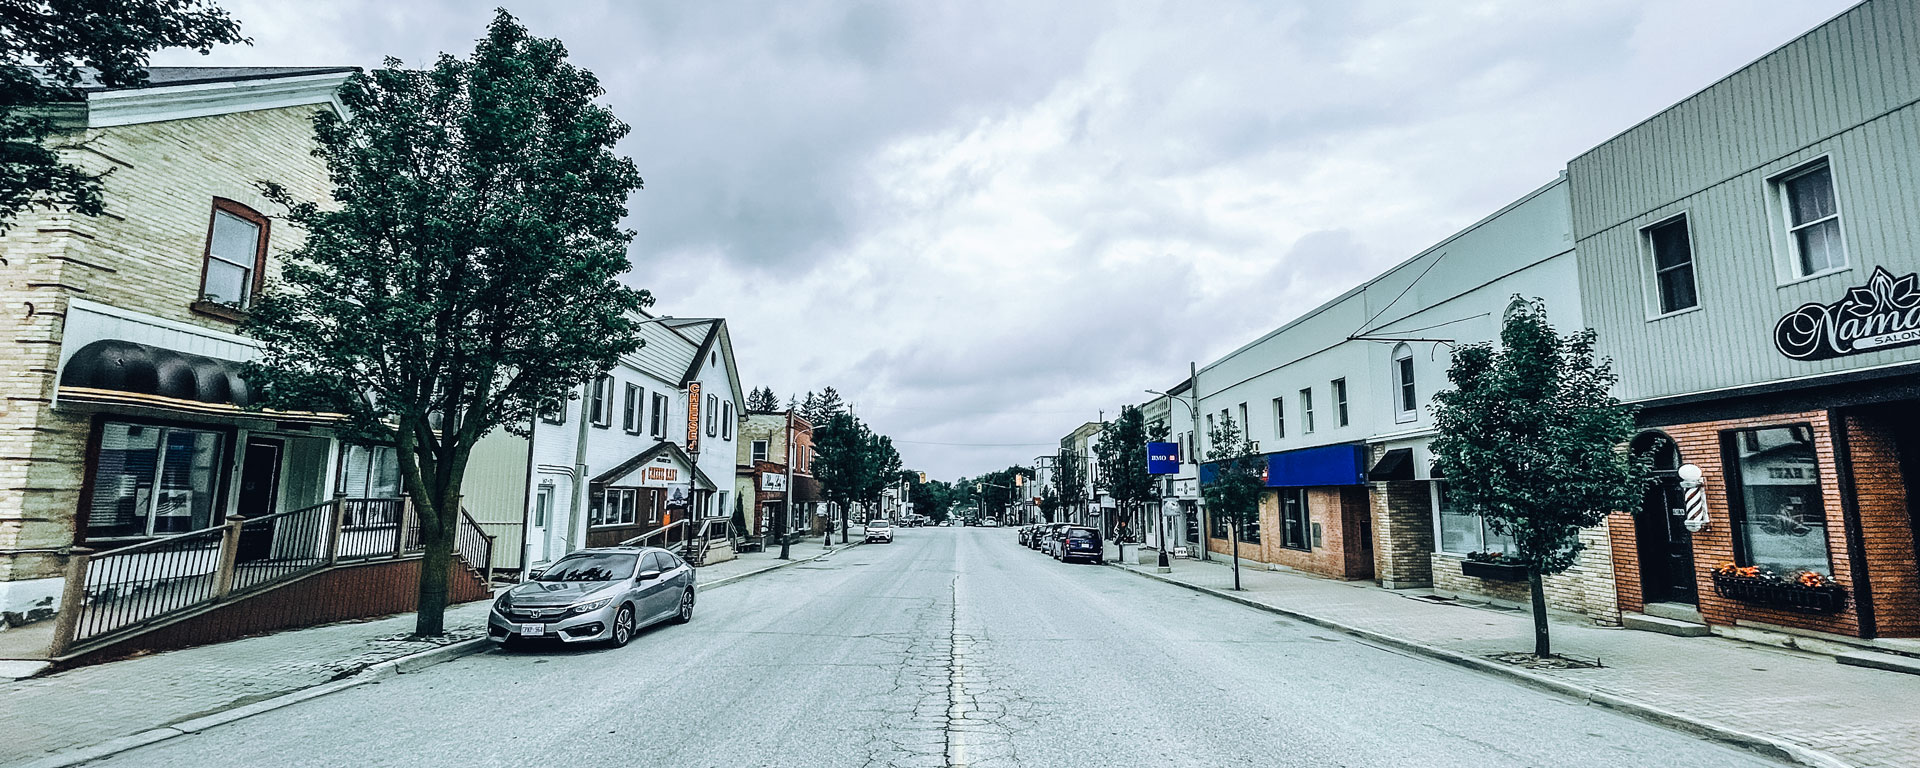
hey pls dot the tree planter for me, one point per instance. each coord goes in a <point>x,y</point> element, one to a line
<point>1792,597</point>
<point>1482,569</point>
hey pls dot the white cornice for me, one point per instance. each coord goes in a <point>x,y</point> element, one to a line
<point>178,102</point>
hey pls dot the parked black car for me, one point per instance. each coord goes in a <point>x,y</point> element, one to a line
<point>1076,542</point>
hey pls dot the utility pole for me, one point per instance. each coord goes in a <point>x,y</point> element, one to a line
<point>1199,504</point>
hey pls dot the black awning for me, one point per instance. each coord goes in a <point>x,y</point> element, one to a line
<point>1434,472</point>
<point>1396,465</point>
<point>126,366</point>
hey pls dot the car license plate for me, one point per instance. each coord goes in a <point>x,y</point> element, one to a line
<point>533,630</point>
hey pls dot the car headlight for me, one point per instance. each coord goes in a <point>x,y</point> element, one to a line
<point>593,606</point>
<point>502,605</point>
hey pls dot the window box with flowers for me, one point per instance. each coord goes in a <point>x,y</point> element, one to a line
<point>1802,591</point>
<point>1494,566</point>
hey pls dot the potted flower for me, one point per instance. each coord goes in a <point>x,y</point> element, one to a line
<point>1494,566</point>
<point>1804,591</point>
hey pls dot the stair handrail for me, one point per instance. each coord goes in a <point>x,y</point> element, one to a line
<point>636,541</point>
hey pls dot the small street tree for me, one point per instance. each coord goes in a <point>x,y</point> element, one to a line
<point>1531,440</point>
<point>44,46</point>
<point>1049,503</point>
<point>1070,482</point>
<point>1239,474</point>
<point>466,271</point>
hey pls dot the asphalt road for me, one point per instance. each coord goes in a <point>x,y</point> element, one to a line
<point>949,647</point>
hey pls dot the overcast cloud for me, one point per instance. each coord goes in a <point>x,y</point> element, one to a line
<point>984,221</point>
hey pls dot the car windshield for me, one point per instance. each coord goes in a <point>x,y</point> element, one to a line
<point>879,524</point>
<point>605,566</point>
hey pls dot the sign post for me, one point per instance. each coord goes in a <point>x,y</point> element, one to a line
<point>1162,459</point>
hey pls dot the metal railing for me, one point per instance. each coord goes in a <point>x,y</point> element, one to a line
<point>642,539</point>
<point>284,545</point>
<point>122,589</point>
<point>113,590</point>
<point>509,543</point>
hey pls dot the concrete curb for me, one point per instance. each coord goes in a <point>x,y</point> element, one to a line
<point>381,671</point>
<point>776,566</point>
<point>1767,746</point>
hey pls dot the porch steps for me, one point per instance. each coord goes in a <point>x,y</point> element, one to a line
<point>1891,662</point>
<point>1663,625</point>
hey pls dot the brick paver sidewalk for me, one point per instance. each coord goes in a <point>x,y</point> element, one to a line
<point>1862,716</point>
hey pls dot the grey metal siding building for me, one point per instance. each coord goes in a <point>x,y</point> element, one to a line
<point>1747,257</point>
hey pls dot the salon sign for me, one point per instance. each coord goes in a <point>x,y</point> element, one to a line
<point>1882,314</point>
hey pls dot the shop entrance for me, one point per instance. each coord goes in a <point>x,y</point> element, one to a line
<point>1906,437</point>
<point>1665,544</point>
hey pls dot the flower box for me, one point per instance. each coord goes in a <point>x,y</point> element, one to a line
<point>1496,571</point>
<point>1778,594</point>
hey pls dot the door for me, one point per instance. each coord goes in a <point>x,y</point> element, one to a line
<point>656,597</point>
<point>541,550</point>
<point>259,492</point>
<point>1666,546</point>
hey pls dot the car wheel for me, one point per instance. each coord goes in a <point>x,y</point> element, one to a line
<point>685,613</point>
<point>623,627</point>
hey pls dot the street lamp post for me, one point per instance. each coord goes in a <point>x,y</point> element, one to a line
<point>1193,412</point>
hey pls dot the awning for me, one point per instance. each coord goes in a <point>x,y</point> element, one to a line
<point>113,365</point>
<point>1397,464</point>
<point>664,465</point>
<point>1326,465</point>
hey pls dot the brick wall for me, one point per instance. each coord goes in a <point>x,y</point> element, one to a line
<point>1586,589</point>
<point>1402,519</point>
<point>144,253</point>
<point>1886,524</point>
<point>1338,512</point>
<point>1699,444</point>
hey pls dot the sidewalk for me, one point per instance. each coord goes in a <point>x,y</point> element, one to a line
<point>1860,717</point>
<point>90,705</point>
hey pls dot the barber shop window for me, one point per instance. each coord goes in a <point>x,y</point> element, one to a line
<point>236,255</point>
<point>151,481</point>
<point>1462,531</point>
<point>1779,517</point>
<point>1296,525</point>
<point>1670,244</point>
<point>1812,216</point>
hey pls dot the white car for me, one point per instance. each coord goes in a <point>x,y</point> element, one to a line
<point>879,530</point>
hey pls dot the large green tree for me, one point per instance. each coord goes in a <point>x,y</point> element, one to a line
<point>1122,456</point>
<point>762,400</point>
<point>840,454</point>
<point>466,270</point>
<point>1238,476</point>
<point>47,47</point>
<point>1531,441</point>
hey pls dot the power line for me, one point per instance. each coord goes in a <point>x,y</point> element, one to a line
<point>977,445</point>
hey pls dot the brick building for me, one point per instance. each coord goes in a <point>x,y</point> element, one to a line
<point>121,413</point>
<point>1766,226</point>
<point>769,442</point>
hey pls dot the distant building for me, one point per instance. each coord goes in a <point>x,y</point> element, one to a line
<point>774,470</point>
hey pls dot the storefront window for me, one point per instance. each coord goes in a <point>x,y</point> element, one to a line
<point>370,472</point>
<point>150,480</point>
<point>617,507</point>
<point>1294,523</point>
<point>1780,518</point>
<point>1463,532</point>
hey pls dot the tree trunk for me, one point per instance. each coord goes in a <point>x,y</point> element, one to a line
<point>1233,538</point>
<point>1542,646</point>
<point>436,567</point>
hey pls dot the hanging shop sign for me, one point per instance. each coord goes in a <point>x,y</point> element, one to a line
<point>693,417</point>
<point>1881,314</point>
<point>1163,459</point>
<point>773,481</point>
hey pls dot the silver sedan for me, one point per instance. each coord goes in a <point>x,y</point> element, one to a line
<point>604,594</point>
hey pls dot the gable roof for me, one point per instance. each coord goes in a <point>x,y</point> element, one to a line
<point>644,457</point>
<point>177,93</point>
<point>713,335</point>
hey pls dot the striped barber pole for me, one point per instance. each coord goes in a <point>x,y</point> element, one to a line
<point>1696,508</point>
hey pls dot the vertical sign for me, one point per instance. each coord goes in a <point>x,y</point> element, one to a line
<point>1163,459</point>
<point>693,417</point>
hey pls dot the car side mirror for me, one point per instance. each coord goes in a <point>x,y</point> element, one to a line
<point>649,575</point>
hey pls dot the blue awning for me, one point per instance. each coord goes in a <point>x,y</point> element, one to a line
<point>1310,467</point>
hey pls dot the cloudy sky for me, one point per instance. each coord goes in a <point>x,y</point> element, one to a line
<point>984,221</point>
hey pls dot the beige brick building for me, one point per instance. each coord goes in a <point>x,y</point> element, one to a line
<point>119,410</point>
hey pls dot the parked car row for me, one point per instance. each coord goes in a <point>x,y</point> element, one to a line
<point>1065,542</point>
